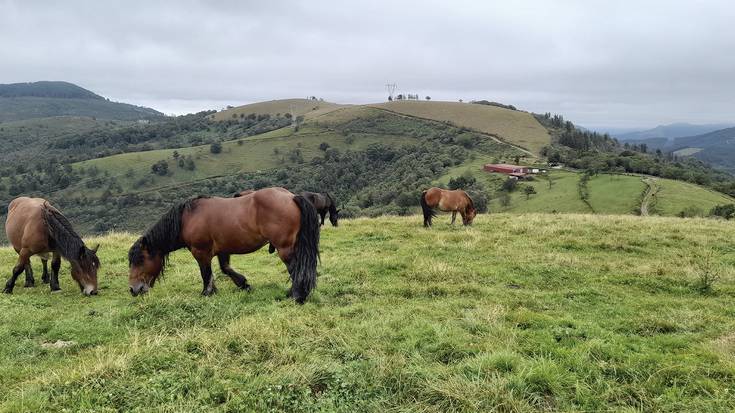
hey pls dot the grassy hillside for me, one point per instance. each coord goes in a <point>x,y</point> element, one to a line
<point>298,107</point>
<point>515,127</point>
<point>608,194</point>
<point>675,196</point>
<point>20,101</point>
<point>517,313</point>
<point>20,108</point>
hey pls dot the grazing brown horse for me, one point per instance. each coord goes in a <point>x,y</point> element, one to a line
<point>34,227</point>
<point>323,203</point>
<point>220,227</point>
<point>446,201</point>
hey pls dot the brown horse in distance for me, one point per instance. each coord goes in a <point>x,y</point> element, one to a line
<point>220,227</point>
<point>35,227</point>
<point>447,201</point>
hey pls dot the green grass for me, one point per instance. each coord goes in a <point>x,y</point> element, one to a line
<point>561,197</point>
<point>517,313</point>
<point>515,127</point>
<point>616,194</point>
<point>675,196</point>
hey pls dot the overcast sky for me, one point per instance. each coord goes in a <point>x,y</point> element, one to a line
<point>599,63</point>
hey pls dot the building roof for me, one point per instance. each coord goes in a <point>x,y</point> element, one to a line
<point>506,166</point>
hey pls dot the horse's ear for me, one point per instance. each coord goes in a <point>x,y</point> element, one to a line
<point>96,247</point>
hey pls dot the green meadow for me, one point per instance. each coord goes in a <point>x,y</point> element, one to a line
<point>518,313</point>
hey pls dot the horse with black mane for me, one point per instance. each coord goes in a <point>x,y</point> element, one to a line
<point>220,227</point>
<point>447,201</point>
<point>35,227</point>
<point>323,202</point>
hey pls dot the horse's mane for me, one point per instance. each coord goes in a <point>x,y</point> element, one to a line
<point>164,236</point>
<point>65,240</point>
<point>469,199</point>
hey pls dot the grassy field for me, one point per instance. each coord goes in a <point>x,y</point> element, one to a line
<point>675,196</point>
<point>515,127</point>
<point>517,313</point>
<point>608,194</point>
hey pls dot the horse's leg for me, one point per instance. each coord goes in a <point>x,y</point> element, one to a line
<point>464,218</point>
<point>30,282</point>
<point>236,277</point>
<point>24,257</point>
<point>204,258</point>
<point>285,255</point>
<point>55,266</point>
<point>45,276</point>
<point>322,214</point>
<point>454,216</point>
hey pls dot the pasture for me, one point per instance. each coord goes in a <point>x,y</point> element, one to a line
<point>525,312</point>
<point>514,127</point>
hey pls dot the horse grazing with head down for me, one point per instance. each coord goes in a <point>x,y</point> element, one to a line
<point>35,227</point>
<point>323,202</point>
<point>447,201</point>
<point>220,227</point>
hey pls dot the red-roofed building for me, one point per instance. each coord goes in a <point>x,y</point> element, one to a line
<point>504,168</point>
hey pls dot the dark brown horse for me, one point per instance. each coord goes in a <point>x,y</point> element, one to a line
<point>220,227</point>
<point>34,227</point>
<point>446,201</point>
<point>323,202</point>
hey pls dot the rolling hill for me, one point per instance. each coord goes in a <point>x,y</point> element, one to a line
<point>22,101</point>
<point>375,159</point>
<point>716,148</point>
<point>296,107</point>
<point>520,312</point>
<point>512,126</point>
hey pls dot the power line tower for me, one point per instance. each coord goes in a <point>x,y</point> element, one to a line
<point>391,87</point>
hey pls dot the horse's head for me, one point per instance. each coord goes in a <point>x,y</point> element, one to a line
<point>84,270</point>
<point>333,215</point>
<point>470,212</point>
<point>145,267</point>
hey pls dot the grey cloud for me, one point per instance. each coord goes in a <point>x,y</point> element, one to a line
<point>599,63</point>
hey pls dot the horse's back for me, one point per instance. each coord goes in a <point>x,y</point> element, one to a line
<point>25,225</point>
<point>242,224</point>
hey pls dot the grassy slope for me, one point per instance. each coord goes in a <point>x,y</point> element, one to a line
<point>675,196</point>
<point>518,313</point>
<point>306,107</point>
<point>516,127</point>
<point>255,153</point>
<point>561,197</point>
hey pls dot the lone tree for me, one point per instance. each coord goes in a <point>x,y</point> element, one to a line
<point>529,190</point>
<point>428,98</point>
<point>160,168</point>
<point>215,148</point>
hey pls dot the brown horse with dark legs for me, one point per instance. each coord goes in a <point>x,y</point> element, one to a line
<point>447,201</point>
<point>34,227</point>
<point>220,227</point>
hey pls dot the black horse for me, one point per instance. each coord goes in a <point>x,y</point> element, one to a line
<point>323,202</point>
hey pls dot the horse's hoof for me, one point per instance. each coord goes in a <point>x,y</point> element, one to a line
<point>7,290</point>
<point>27,285</point>
<point>56,290</point>
<point>208,293</point>
<point>247,287</point>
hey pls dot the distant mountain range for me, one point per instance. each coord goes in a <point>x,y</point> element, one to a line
<point>716,147</point>
<point>674,130</point>
<point>22,101</point>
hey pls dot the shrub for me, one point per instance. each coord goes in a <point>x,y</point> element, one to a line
<point>215,148</point>
<point>726,211</point>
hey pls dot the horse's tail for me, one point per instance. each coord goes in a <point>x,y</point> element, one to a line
<point>302,265</point>
<point>428,212</point>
